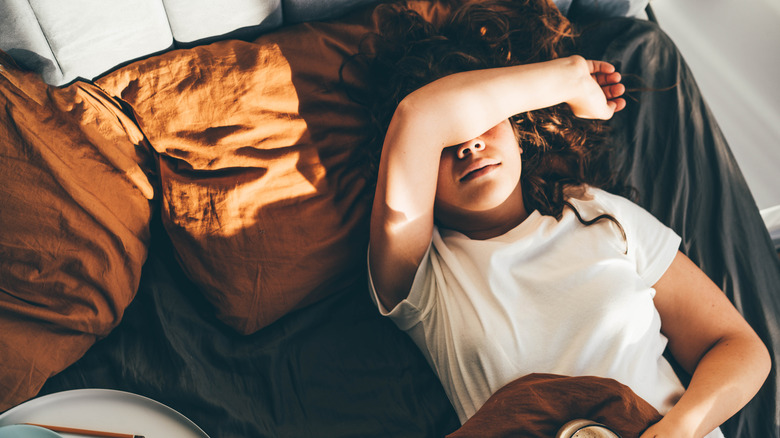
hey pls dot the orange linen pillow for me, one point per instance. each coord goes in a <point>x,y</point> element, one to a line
<point>74,215</point>
<point>262,195</point>
<point>263,201</point>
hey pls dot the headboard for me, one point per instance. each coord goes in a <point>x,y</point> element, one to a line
<point>64,41</point>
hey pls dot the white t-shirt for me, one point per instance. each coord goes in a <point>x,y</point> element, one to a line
<point>546,297</point>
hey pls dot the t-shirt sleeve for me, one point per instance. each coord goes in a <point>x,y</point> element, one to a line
<point>410,311</point>
<point>651,244</point>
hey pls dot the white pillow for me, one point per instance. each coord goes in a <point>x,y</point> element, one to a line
<point>64,40</point>
<point>193,20</point>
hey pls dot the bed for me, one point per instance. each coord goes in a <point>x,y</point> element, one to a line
<point>184,212</point>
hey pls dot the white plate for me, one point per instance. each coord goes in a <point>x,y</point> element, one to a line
<point>105,410</point>
<point>24,431</point>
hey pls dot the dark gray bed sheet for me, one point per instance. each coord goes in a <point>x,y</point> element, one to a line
<point>337,369</point>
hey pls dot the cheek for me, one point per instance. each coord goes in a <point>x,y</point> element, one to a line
<point>444,190</point>
<point>444,177</point>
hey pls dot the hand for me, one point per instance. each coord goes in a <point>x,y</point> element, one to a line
<point>664,430</point>
<point>609,80</point>
<point>600,93</point>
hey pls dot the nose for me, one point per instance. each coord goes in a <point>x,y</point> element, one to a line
<point>470,147</point>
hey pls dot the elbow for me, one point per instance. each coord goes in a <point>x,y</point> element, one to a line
<point>762,366</point>
<point>757,361</point>
<point>761,359</point>
<point>409,111</point>
<point>413,108</point>
<point>764,360</point>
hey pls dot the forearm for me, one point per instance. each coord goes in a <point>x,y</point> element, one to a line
<point>725,379</point>
<point>462,106</point>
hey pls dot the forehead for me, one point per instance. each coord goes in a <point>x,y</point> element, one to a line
<point>504,133</point>
<point>503,127</point>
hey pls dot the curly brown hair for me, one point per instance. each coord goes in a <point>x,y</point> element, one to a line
<point>409,51</point>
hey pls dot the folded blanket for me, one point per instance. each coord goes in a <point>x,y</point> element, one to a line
<point>538,405</point>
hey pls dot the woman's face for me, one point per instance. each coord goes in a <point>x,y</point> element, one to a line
<point>480,174</point>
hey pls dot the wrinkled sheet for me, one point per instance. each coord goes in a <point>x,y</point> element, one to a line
<point>336,369</point>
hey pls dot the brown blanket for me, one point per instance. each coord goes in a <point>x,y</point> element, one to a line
<point>74,221</point>
<point>538,405</point>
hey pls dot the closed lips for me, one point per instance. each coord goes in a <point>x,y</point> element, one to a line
<point>477,168</point>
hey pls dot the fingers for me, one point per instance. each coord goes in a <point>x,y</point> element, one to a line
<point>613,105</point>
<point>613,91</point>
<point>619,104</point>
<point>600,67</point>
<point>613,94</point>
<point>607,79</point>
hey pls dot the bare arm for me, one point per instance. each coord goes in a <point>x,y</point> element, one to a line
<point>450,111</point>
<point>711,340</point>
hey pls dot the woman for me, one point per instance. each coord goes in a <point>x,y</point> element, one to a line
<point>489,240</point>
